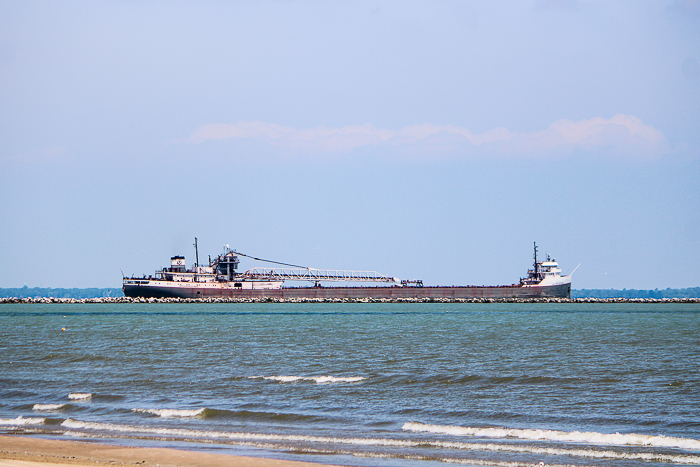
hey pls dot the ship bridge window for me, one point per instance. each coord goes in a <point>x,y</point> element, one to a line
<point>238,284</point>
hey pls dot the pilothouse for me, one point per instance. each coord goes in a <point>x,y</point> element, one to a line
<point>545,273</point>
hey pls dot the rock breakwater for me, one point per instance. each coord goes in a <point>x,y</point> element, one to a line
<point>130,300</point>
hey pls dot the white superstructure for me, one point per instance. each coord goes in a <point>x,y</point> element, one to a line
<point>545,273</point>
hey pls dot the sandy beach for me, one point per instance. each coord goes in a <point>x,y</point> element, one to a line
<point>22,451</point>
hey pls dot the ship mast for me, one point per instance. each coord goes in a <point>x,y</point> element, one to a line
<point>196,253</point>
<point>537,266</point>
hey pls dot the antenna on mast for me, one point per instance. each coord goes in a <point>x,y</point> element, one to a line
<point>196,253</point>
<point>537,268</point>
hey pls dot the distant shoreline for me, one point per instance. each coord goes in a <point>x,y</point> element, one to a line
<point>128,300</point>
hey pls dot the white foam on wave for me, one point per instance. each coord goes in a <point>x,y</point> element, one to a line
<point>384,442</point>
<point>79,396</point>
<point>283,379</point>
<point>21,421</point>
<point>334,379</point>
<point>77,424</point>
<point>172,413</point>
<point>555,451</point>
<point>48,407</point>
<point>316,379</point>
<point>587,437</point>
<point>489,463</point>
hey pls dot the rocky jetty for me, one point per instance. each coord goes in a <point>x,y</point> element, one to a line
<point>113,300</point>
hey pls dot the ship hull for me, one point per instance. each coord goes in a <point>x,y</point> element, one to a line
<point>167,289</point>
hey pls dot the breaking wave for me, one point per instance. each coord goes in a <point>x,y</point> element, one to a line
<point>172,413</point>
<point>260,438</point>
<point>317,379</point>
<point>587,437</point>
<point>79,396</point>
<point>21,421</point>
<point>48,407</point>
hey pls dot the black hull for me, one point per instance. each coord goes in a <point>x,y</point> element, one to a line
<point>166,291</point>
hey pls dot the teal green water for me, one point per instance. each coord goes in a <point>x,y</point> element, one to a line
<point>363,384</point>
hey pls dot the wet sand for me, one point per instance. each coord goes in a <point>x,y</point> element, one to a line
<point>23,451</point>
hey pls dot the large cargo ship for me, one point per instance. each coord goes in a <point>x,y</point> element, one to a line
<point>221,279</point>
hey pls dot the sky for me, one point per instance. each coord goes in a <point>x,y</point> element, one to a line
<point>433,140</point>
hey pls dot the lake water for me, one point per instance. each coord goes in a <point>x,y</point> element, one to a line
<point>363,384</point>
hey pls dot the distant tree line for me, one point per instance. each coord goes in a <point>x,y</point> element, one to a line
<point>38,292</point>
<point>691,292</point>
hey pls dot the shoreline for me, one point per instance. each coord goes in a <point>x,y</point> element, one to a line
<point>117,300</point>
<point>25,451</point>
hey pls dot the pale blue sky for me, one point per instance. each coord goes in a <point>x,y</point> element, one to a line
<point>431,140</point>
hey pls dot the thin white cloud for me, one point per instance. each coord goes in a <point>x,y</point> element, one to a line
<point>623,133</point>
